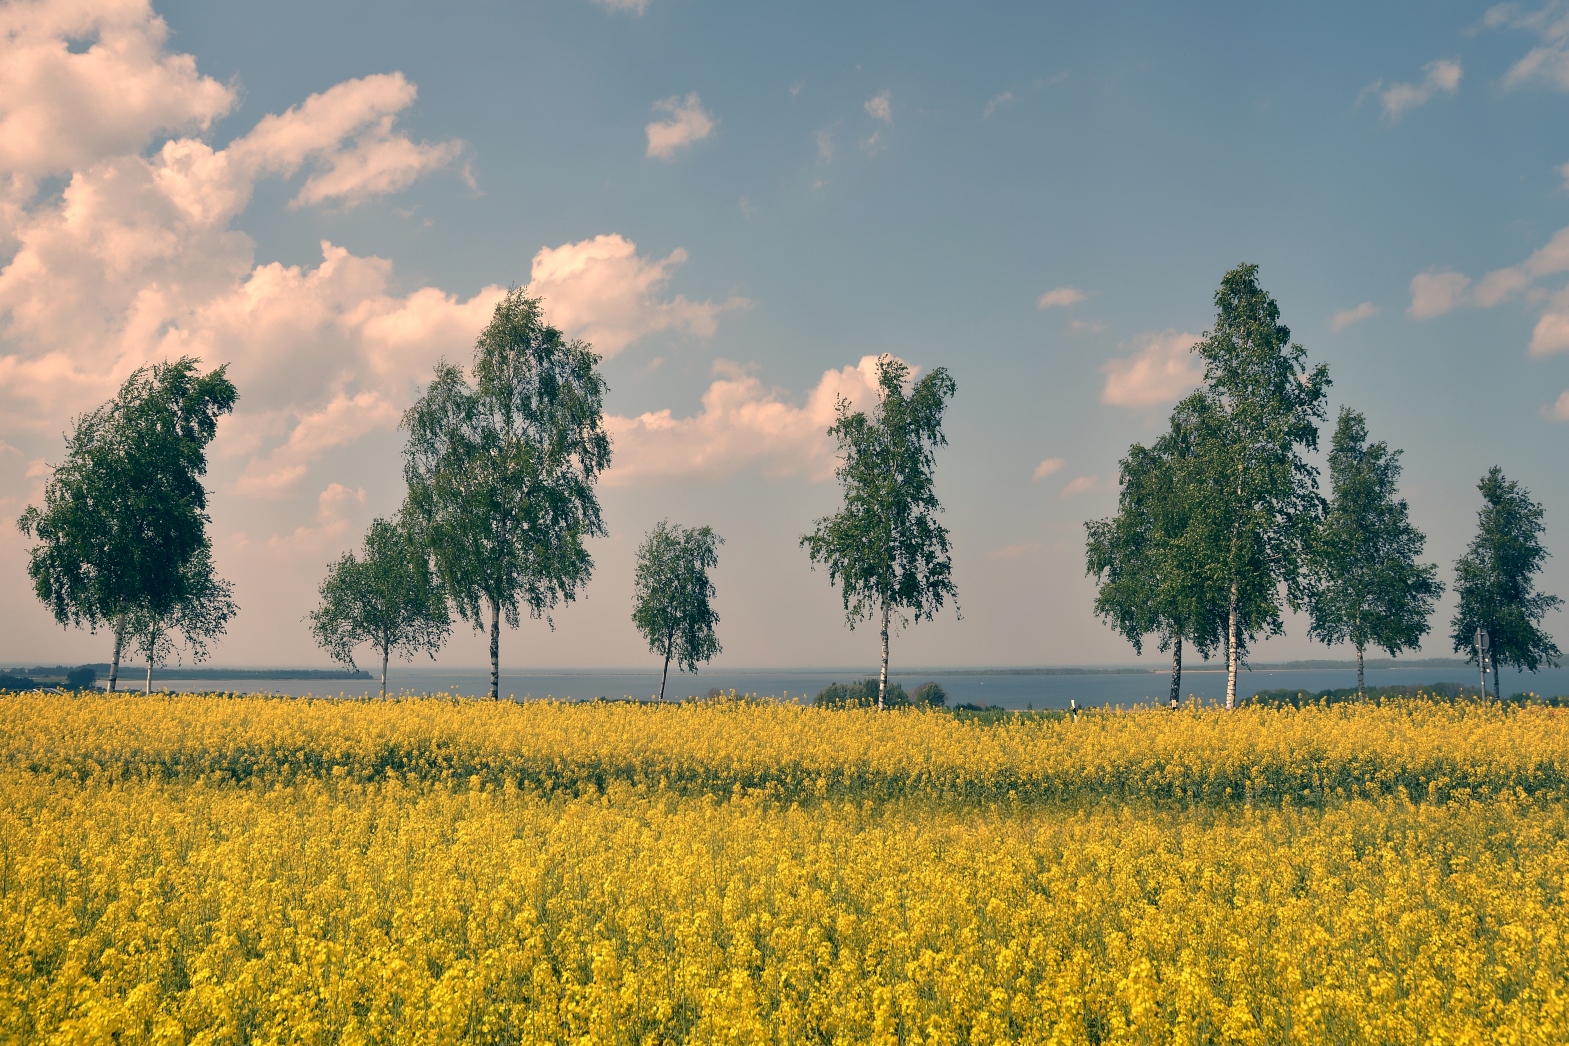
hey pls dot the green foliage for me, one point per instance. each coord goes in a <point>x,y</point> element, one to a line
<point>501,473</point>
<point>198,613</point>
<point>885,548</point>
<point>863,694</point>
<point>125,513</point>
<point>1495,580</point>
<point>1147,559</point>
<point>1366,586</point>
<point>672,595</point>
<point>387,597</point>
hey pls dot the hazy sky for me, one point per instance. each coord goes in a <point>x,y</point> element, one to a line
<point>741,205</point>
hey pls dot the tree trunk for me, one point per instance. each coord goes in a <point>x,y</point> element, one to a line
<point>882,680</point>
<point>148,689</point>
<point>384,646</point>
<point>1498,693</point>
<point>670,641</point>
<point>1360,695</point>
<point>1231,650</point>
<point>495,651</point>
<point>119,642</point>
<point>1176,670</point>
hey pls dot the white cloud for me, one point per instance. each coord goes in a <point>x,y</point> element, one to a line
<point>343,420</point>
<point>825,147</point>
<point>1346,317</point>
<point>1559,411</point>
<point>1441,76</point>
<point>601,291</point>
<point>63,109</point>
<point>1435,293</point>
<point>997,102</point>
<point>1049,467</point>
<point>743,424</point>
<point>332,522</point>
<point>880,106</point>
<point>1060,297</point>
<point>636,7</point>
<point>1160,372</point>
<point>688,123</point>
<point>1080,485</point>
<point>1547,63</point>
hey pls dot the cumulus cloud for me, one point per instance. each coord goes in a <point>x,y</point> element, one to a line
<point>1548,62</point>
<point>1081,485</point>
<point>880,106</point>
<point>332,522</point>
<point>1162,369</point>
<point>65,108</point>
<point>1060,297</point>
<point>138,258</point>
<point>688,123</point>
<point>742,424</point>
<point>1559,411</point>
<point>1435,293</point>
<point>600,290</point>
<point>636,7</point>
<point>1442,76</point>
<point>1048,467</point>
<point>1346,317</point>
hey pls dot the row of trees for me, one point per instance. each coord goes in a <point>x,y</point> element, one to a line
<point>1220,525</point>
<point>501,466</point>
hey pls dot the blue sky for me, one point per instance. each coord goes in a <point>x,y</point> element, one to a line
<point>738,205</point>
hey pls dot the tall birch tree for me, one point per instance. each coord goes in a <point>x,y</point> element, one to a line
<point>501,471</point>
<point>1263,503</point>
<point>1365,583</point>
<point>885,548</point>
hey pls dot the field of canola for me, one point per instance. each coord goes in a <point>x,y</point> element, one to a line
<point>249,870</point>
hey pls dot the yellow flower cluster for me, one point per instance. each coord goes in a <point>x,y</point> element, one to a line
<point>244,870</point>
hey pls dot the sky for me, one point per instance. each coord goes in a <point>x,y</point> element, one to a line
<point>740,206</point>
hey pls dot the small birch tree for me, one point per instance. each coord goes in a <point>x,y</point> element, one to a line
<point>387,597</point>
<point>1496,581</point>
<point>885,548</point>
<point>198,613</point>
<point>672,596</point>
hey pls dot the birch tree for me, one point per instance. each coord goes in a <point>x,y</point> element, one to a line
<point>1149,559</point>
<point>1365,584</point>
<point>1263,503</point>
<point>126,510</point>
<point>672,596</point>
<point>1496,581</point>
<point>885,548</point>
<point>386,596</point>
<point>501,471</point>
<point>187,622</point>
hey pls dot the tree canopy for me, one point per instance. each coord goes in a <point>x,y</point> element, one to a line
<point>672,595</point>
<point>501,471</point>
<point>1365,584</point>
<point>1496,580</point>
<point>387,597</point>
<point>885,548</point>
<point>1148,559</point>
<point>126,511</point>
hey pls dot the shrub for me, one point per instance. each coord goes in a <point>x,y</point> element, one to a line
<point>861,695</point>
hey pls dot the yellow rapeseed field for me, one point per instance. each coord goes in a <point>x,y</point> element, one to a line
<point>244,870</point>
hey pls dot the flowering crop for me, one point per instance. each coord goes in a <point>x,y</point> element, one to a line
<point>217,870</point>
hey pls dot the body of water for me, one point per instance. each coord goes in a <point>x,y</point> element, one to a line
<point>1003,689</point>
